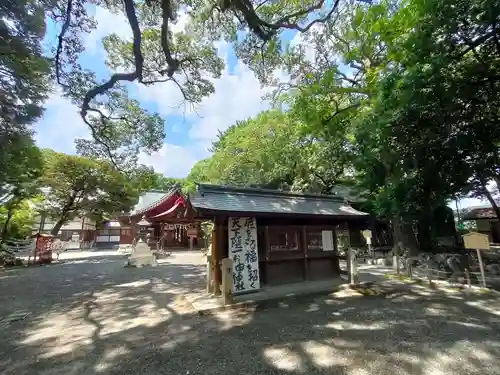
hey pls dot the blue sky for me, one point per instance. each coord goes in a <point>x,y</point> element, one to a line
<point>190,131</point>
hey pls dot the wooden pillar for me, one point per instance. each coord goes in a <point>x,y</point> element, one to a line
<point>227,280</point>
<point>304,245</point>
<point>210,274</point>
<point>352,267</point>
<point>217,254</point>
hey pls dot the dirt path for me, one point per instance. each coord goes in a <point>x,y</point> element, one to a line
<point>93,316</point>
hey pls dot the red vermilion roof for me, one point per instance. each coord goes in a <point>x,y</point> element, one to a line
<point>179,202</point>
<point>152,203</point>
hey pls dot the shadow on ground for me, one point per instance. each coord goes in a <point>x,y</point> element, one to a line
<point>114,320</point>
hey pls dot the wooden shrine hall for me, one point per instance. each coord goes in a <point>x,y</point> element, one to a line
<point>272,237</point>
<point>164,220</point>
<point>276,237</point>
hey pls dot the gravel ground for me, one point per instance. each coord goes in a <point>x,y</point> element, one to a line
<point>93,316</point>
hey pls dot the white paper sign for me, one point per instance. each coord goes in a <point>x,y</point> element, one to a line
<point>327,239</point>
<point>243,251</point>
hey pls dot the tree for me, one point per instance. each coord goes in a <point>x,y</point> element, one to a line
<point>144,178</point>
<point>273,150</point>
<point>440,99</point>
<point>198,174</point>
<point>391,95</point>
<point>17,218</point>
<point>23,69</point>
<point>79,186</point>
<point>24,82</point>
<point>412,100</point>
<point>160,52</point>
<point>21,162</point>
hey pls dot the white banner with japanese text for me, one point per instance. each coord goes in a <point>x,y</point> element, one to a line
<point>244,253</point>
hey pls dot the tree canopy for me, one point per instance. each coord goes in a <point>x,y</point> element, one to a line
<point>24,83</point>
<point>397,99</point>
<point>171,42</point>
<point>77,186</point>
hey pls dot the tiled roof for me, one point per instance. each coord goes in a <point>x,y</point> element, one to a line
<point>226,198</point>
<point>480,213</point>
<point>152,199</point>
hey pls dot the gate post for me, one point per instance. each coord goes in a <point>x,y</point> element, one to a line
<point>227,280</point>
<point>210,275</point>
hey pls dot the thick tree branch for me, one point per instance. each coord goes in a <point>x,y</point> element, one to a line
<point>339,111</point>
<point>167,14</point>
<point>348,79</point>
<point>259,26</point>
<point>284,22</point>
<point>115,78</point>
<point>60,41</point>
<point>478,41</point>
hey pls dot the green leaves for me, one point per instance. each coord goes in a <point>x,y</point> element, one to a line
<point>82,186</point>
<point>273,150</point>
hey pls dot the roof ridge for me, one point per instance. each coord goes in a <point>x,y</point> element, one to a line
<point>209,188</point>
<point>165,196</point>
<point>158,191</point>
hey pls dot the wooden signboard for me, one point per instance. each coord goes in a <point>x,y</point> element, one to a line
<point>367,233</point>
<point>244,253</point>
<point>475,240</point>
<point>479,242</point>
<point>192,232</point>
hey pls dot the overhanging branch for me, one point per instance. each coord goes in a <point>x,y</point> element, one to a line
<point>60,40</point>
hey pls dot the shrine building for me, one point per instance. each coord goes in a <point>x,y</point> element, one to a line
<point>273,237</point>
<point>164,219</point>
<point>276,237</point>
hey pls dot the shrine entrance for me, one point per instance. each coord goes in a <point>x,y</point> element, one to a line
<point>178,234</point>
<point>165,220</point>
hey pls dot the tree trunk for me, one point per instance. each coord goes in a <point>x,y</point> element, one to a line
<point>57,226</point>
<point>65,213</point>
<point>426,237</point>
<point>490,198</point>
<point>404,235</point>
<point>3,236</point>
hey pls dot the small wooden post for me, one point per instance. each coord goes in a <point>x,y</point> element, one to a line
<point>429,276</point>
<point>351,267</point>
<point>395,263</point>
<point>210,275</point>
<point>227,281</point>
<point>467,276</point>
<point>409,268</point>
<point>481,266</point>
<point>216,250</point>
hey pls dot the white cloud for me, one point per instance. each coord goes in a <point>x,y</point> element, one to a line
<point>166,95</point>
<point>107,23</point>
<point>173,160</point>
<point>60,126</point>
<point>299,40</point>
<point>237,96</point>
